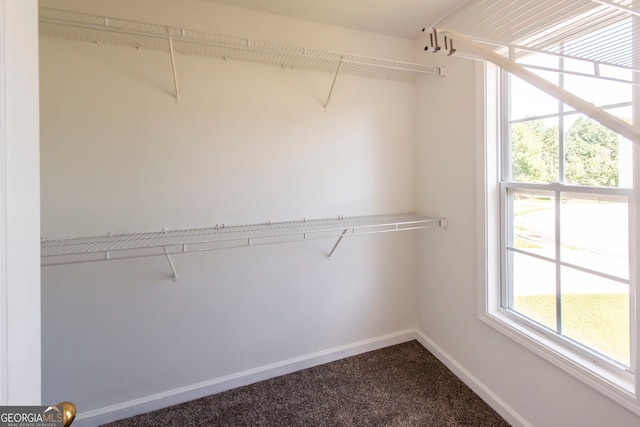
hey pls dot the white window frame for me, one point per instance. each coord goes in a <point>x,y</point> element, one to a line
<point>623,388</point>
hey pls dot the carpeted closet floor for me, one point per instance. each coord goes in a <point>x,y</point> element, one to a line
<point>402,385</point>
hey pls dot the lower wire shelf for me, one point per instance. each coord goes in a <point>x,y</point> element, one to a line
<point>107,247</point>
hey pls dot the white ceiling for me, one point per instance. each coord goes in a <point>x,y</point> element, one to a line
<point>401,18</point>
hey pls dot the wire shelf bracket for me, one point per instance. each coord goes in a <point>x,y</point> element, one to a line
<point>333,83</point>
<point>165,243</point>
<point>174,274</point>
<point>337,243</point>
<point>173,64</point>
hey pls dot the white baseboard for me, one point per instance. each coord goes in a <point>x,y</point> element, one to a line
<point>239,379</point>
<point>493,400</point>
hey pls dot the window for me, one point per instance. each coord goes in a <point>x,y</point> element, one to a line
<point>566,192</point>
<point>559,220</point>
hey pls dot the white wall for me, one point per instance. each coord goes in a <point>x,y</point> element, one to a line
<point>537,392</point>
<point>247,143</point>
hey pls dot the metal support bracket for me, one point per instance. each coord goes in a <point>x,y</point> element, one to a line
<point>335,77</point>
<point>174,274</point>
<point>344,232</point>
<point>173,64</point>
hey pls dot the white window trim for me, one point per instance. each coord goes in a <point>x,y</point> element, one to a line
<point>621,389</point>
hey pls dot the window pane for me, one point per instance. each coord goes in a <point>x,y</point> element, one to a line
<point>595,234</point>
<point>593,154</point>
<point>529,101</point>
<point>577,66</point>
<point>595,313</point>
<point>538,59</point>
<point>534,151</point>
<point>597,91</point>
<point>615,72</point>
<point>534,289</point>
<point>533,224</point>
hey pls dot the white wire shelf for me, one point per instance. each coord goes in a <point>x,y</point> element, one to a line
<point>64,24</point>
<point>62,251</point>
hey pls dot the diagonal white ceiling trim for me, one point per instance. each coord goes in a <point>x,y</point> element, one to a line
<point>585,107</point>
<point>622,5</point>
<point>598,31</point>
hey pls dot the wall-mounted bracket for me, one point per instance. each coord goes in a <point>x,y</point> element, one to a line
<point>173,64</point>
<point>344,232</point>
<point>335,77</point>
<point>448,46</point>
<point>174,274</point>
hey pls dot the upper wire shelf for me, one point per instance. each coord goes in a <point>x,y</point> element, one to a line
<point>100,29</point>
<point>105,247</point>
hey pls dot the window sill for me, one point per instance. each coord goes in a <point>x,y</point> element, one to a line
<point>617,387</point>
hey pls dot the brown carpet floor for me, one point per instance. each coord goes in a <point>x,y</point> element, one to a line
<point>402,385</point>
